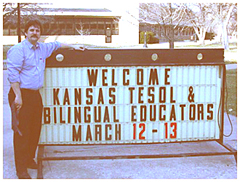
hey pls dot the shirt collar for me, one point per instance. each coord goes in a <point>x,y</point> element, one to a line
<point>31,46</point>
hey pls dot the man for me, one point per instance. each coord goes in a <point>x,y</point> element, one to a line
<point>26,65</point>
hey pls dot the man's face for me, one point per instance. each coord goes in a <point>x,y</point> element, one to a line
<point>33,34</point>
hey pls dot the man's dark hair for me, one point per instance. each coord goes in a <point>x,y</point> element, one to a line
<point>35,23</point>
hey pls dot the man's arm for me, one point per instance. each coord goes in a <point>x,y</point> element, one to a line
<point>18,99</point>
<point>15,60</point>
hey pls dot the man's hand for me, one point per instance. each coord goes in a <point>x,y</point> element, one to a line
<point>80,48</point>
<point>18,102</point>
<point>18,96</point>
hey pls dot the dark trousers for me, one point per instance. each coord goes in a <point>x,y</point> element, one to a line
<point>30,117</point>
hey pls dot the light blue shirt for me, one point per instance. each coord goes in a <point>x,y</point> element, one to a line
<point>26,63</point>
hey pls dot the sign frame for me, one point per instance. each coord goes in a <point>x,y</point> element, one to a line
<point>140,57</point>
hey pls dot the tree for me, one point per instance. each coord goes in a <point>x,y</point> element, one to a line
<point>81,30</point>
<point>28,11</point>
<point>232,25</point>
<point>166,15</point>
<point>206,16</point>
<point>10,11</point>
<point>201,17</point>
<point>225,12</point>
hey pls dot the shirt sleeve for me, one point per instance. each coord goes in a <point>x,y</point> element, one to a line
<point>50,47</point>
<point>15,57</point>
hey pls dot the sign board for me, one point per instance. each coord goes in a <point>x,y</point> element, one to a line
<point>150,102</point>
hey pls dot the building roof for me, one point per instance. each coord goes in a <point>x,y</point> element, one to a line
<point>99,12</point>
<point>77,10</point>
<point>151,22</point>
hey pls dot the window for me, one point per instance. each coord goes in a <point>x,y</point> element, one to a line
<point>71,26</point>
<point>46,25</point>
<point>13,29</point>
<point>101,28</point>
<point>62,26</point>
<point>108,24</point>
<point>115,29</point>
<point>69,29</point>
<point>54,26</point>
<point>94,27</point>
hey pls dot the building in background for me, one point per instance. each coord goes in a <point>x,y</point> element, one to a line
<point>181,33</point>
<point>98,26</point>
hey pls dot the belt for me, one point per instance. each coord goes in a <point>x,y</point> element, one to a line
<point>29,90</point>
<point>26,91</point>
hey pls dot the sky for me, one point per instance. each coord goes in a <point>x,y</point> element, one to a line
<point>114,5</point>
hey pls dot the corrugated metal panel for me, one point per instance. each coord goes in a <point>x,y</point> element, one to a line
<point>190,97</point>
<point>135,57</point>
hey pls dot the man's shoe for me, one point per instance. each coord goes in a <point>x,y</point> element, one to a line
<point>32,165</point>
<point>23,175</point>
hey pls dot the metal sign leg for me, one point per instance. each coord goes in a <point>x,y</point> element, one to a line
<point>230,149</point>
<point>39,162</point>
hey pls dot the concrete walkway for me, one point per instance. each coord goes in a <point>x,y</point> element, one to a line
<point>210,167</point>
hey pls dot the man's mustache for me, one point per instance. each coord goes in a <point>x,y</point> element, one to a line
<point>34,36</point>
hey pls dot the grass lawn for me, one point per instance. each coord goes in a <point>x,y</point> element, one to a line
<point>231,92</point>
<point>5,49</point>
